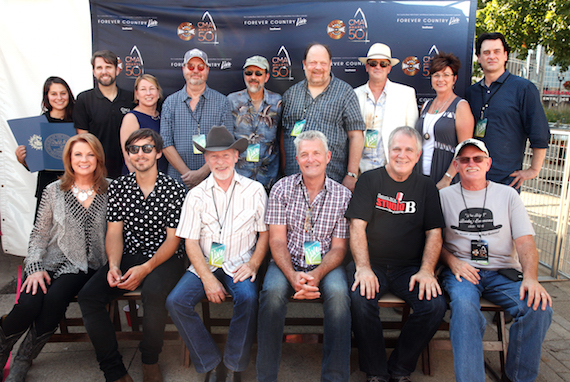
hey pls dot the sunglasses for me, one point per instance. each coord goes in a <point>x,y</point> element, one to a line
<point>200,67</point>
<point>134,149</point>
<point>466,160</point>
<point>251,72</point>
<point>383,64</point>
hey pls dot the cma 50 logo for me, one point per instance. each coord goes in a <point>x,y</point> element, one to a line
<point>134,65</point>
<point>207,30</point>
<point>281,65</point>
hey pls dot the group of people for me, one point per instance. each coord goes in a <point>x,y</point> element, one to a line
<point>365,205</point>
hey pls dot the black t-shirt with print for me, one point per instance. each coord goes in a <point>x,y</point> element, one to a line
<point>398,215</point>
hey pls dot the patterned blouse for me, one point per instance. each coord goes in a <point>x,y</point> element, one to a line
<point>67,237</point>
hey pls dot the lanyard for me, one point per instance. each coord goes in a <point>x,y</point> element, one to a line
<point>485,105</point>
<point>309,226</point>
<point>192,113</point>
<point>221,224</point>
<point>484,201</point>
<point>255,117</point>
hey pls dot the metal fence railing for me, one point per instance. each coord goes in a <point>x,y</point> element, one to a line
<point>547,201</point>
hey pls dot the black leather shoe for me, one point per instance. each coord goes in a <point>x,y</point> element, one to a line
<point>233,376</point>
<point>217,374</point>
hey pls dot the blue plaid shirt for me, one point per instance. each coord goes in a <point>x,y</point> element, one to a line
<point>258,127</point>
<point>178,123</point>
<point>334,112</point>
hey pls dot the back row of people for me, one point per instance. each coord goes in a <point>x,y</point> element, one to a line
<point>357,123</point>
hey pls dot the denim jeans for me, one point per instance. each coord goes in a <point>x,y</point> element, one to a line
<point>204,352</point>
<point>97,294</point>
<point>414,336</point>
<point>468,324</point>
<point>336,338</point>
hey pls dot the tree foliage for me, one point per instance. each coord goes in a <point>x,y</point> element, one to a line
<point>528,23</point>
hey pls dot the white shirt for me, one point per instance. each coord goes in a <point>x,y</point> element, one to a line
<point>240,215</point>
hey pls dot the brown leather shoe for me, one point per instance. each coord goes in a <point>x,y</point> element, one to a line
<point>151,373</point>
<point>125,378</point>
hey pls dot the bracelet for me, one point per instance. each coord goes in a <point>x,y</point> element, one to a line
<point>352,174</point>
<point>449,176</point>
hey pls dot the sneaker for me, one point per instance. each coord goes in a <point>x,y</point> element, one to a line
<point>375,378</point>
<point>404,378</point>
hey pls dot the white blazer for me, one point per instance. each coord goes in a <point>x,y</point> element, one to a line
<point>401,109</point>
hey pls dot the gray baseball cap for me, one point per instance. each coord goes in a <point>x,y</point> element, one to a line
<point>196,53</point>
<point>259,61</point>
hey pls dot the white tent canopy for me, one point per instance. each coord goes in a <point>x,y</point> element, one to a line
<point>39,38</point>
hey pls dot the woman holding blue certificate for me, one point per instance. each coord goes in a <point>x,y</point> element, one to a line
<point>57,105</point>
<point>67,246</point>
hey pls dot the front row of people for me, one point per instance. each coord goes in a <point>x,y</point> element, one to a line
<point>394,224</point>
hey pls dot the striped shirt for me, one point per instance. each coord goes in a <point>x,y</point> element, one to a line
<point>288,204</point>
<point>178,124</point>
<point>240,213</point>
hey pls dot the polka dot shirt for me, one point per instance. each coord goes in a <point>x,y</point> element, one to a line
<point>145,220</point>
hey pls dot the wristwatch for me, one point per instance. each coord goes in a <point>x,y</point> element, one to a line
<point>352,174</point>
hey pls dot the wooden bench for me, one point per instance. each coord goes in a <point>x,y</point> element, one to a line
<point>135,332</point>
<point>387,301</point>
<point>499,345</point>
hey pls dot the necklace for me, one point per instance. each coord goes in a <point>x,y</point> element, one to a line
<point>82,195</point>
<point>442,106</point>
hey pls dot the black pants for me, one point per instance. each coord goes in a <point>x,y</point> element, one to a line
<point>97,293</point>
<point>46,310</point>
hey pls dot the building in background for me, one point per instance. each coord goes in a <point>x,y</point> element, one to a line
<point>548,79</point>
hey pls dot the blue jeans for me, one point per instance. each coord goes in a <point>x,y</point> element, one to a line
<point>414,336</point>
<point>468,326</point>
<point>97,294</point>
<point>273,308</point>
<point>204,352</point>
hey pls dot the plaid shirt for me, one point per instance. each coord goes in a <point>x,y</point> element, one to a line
<point>288,204</point>
<point>334,112</point>
<point>178,123</point>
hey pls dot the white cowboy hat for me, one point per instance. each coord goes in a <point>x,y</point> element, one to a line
<point>379,51</point>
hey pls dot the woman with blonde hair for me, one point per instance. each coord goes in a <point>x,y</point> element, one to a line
<point>67,246</point>
<point>148,93</point>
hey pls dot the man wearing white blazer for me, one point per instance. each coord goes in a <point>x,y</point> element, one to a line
<point>385,105</point>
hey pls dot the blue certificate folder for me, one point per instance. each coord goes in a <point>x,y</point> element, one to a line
<point>44,141</point>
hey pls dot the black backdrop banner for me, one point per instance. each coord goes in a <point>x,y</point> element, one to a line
<point>152,37</point>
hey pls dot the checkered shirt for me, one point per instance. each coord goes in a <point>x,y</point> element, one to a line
<point>334,112</point>
<point>178,123</point>
<point>287,205</point>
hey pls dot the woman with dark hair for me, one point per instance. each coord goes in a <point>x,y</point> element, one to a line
<point>148,93</point>
<point>57,106</point>
<point>67,246</point>
<point>444,121</point>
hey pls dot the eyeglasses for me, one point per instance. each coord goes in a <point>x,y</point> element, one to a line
<point>466,160</point>
<point>258,73</point>
<point>133,149</point>
<point>200,67</point>
<point>445,75</point>
<point>374,64</point>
